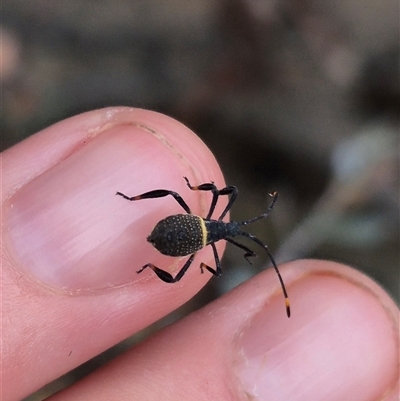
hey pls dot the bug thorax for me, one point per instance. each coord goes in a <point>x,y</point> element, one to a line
<point>217,230</point>
<point>178,235</point>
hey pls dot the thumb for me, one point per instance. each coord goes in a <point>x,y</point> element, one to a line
<point>70,247</point>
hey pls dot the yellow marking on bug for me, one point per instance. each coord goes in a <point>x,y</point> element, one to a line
<point>203,230</point>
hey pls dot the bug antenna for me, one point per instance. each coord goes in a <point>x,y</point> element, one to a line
<point>271,258</point>
<point>274,196</point>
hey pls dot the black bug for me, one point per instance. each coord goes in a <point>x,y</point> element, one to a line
<point>185,234</point>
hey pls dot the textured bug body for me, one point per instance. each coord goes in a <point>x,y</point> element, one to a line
<point>179,235</point>
<point>217,230</point>
<point>186,234</point>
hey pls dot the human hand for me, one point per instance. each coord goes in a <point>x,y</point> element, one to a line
<point>70,250</point>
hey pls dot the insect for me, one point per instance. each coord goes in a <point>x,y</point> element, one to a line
<point>186,234</point>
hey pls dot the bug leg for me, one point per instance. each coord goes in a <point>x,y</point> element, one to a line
<point>231,190</point>
<point>209,186</point>
<point>274,196</point>
<point>210,269</point>
<point>164,275</point>
<point>216,272</point>
<point>158,193</point>
<point>249,253</point>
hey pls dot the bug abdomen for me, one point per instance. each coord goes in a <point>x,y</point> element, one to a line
<point>178,235</point>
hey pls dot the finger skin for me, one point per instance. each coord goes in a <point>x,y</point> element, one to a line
<point>48,331</point>
<point>341,343</point>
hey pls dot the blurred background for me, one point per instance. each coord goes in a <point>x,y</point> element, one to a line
<point>298,97</point>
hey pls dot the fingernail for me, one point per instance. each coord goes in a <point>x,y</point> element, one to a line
<point>68,230</point>
<point>325,351</point>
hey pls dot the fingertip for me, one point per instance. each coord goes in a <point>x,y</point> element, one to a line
<point>75,246</point>
<point>242,346</point>
<point>342,323</point>
<point>301,270</point>
<point>88,238</point>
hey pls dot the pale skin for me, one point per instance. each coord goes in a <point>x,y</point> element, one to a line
<point>70,291</point>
